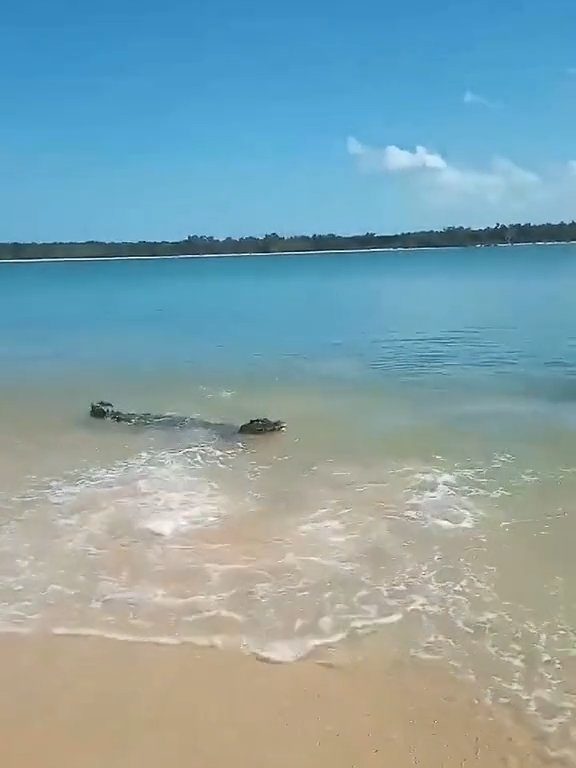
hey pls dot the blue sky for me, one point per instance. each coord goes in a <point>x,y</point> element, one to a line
<point>136,120</point>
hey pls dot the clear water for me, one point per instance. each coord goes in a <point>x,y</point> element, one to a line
<point>424,489</point>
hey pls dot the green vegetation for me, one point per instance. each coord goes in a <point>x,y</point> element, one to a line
<point>451,237</point>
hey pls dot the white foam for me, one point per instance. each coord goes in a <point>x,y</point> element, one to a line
<point>215,642</point>
<point>287,651</point>
<point>161,526</point>
<point>205,546</point>
<point>435,499</point>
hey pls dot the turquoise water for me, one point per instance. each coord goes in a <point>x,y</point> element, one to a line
<point>424,488</point>
<point>396,314</point>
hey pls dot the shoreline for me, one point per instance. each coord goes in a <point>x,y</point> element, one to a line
<point>88,702</point>
<point>279,253</point>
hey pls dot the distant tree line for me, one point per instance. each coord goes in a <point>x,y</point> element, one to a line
<point>500,234</point>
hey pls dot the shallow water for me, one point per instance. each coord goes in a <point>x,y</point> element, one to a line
<point>424,488</point>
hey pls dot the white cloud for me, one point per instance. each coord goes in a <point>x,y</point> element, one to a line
<point>474,98</point>
<point>501,179</point>
<point>354,146</point>
<point>440,191</point>
<point>396,159</point>
<point>392,158</point>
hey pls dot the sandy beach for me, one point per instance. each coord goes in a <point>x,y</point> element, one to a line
<point>82,702</point>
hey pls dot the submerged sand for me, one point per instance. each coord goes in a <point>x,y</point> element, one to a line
<point>94,703</point>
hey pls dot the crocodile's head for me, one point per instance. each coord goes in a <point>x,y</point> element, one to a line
<point>101,410</point>
<point>261,426</point>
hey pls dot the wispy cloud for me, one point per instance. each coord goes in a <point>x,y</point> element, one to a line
<point>502,177</point>
<point>393,158</point>
<point>472,98</point>
<point>446,190</point>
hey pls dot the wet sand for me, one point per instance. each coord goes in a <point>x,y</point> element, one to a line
<point>91,703</point>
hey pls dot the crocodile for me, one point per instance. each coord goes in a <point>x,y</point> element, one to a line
<point>106,410</point>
